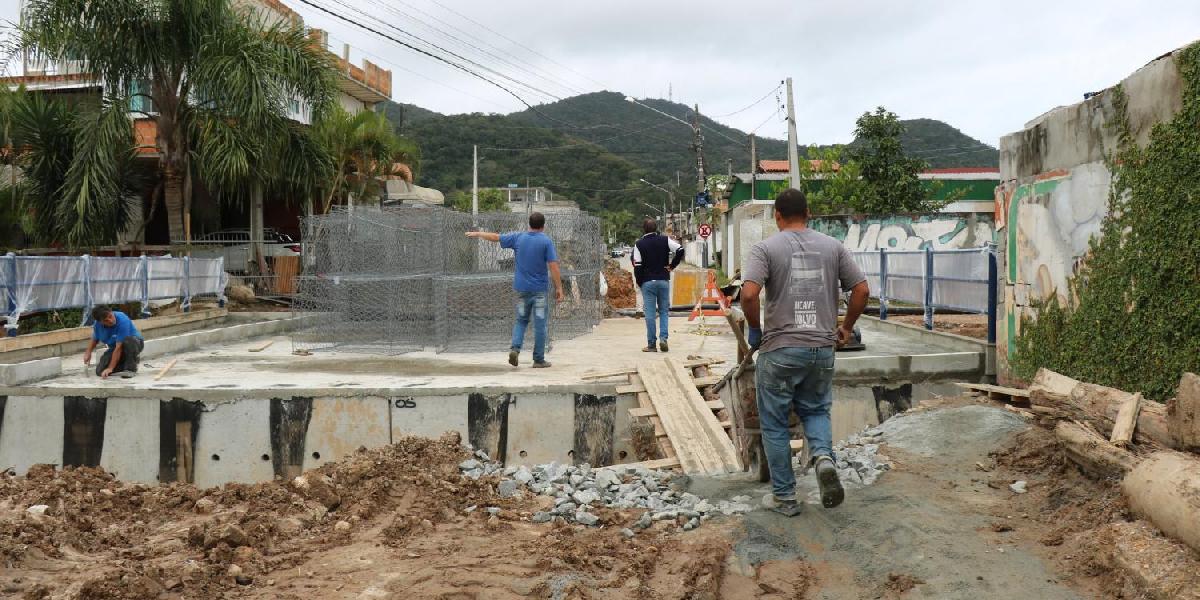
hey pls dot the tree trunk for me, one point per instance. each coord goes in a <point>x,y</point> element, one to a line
<point>1094,454</point>
<point>1165,490</point>
<point>173,201</point>
<point>1099,405</point>
<point>1183,413</point>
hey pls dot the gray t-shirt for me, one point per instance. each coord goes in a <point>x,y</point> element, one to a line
<point>802,272</point>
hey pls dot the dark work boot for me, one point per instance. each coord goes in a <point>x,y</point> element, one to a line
<point>512,357</point>
<point>832,493</point>
<point>662,346</point>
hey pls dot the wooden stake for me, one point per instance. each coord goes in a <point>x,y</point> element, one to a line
<point>1126,421</point>
<point>263,346</point>
<point>163,371</point>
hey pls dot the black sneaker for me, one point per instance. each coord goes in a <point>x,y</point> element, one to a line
<point>662,346</point>
<point>787,508</point>
<point>512,357</point>
<point>832,493</point>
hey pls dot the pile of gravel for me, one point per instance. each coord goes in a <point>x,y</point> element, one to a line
<point>858,459</point>
<point>578,490</point>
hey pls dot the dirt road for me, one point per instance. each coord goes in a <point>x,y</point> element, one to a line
<point>398,523</point>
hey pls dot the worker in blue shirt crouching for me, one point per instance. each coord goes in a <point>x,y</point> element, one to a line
<point>116,330</point>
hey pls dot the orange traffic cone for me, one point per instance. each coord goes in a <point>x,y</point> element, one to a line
<point>712,295</point>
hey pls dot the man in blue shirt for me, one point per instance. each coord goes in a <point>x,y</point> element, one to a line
<point>536,260</point>
<point>114,329</point>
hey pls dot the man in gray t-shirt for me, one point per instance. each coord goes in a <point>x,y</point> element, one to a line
<point>804,272</point>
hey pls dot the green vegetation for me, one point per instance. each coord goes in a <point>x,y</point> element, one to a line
<point>1134,321</point>
<point>889,175</point>
<point>214,78</point>
<point>490,200</point>
<point>363,148</point>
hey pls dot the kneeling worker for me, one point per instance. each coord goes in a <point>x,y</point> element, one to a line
<point>116,330</point>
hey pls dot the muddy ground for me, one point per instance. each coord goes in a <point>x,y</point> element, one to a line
<point>392,523</point>
<point>974,326</point>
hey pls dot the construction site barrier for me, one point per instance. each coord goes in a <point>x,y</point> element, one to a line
<point>32,284</point>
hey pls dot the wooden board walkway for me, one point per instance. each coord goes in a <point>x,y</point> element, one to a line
<point>698,439</point>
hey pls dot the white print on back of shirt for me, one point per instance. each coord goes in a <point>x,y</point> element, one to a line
<point>806,285</point>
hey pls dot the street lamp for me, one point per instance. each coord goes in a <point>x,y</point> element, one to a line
<point>670,195</point>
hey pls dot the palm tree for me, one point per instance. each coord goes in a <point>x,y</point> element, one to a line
<point>363,148</point>
<point>217,79</point>
<point>77,181</point>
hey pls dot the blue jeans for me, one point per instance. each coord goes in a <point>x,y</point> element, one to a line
<point>799,379</point>
<point>531,305</point>
<point>656,302</point>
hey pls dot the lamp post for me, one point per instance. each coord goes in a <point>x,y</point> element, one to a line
<point>670,196</point>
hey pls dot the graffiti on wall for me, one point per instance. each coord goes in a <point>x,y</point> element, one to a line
<point>939,231</point>
<point>1050,222</point>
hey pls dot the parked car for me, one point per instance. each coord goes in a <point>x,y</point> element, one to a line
<point>616,253</point>
<point>234,245</point>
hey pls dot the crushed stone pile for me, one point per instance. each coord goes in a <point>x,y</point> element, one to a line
<point>580,492</point>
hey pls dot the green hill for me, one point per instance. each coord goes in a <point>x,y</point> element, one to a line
<point>593,148</point>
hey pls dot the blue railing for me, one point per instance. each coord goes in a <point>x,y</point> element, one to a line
<point>963,280</point>
<point>31,284</point>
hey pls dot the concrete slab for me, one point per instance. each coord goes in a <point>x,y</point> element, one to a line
<point>131,439</point>
<point>31,433</point>
<point>340,425</point>
<point>530,441</point>
<point>233,440</point>
<point>429,416</point>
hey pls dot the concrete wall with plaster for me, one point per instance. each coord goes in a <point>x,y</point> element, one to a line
<point>1055,189</point>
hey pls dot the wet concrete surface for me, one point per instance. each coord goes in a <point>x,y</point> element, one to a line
<point>928,518</point>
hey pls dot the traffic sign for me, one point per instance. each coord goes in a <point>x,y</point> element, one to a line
<point>705,231</point>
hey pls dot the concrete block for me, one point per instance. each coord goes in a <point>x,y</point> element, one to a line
<point>429,416</point>
<point>542,426</point>
<point>29,371</point>
<point>947,362</point>
<point>232,441</point>
<point>32,432</point>
<point>340,425</point>
<point>853,410</point>
<point>131,439</point>
<point>622,429</point>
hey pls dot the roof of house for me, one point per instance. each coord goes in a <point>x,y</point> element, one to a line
<point>781,166</point>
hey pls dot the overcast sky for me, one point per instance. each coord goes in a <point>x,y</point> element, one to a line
<point>983,66</point>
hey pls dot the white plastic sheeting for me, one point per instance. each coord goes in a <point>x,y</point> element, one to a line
<point>959,277</point>
<point>35,283</point>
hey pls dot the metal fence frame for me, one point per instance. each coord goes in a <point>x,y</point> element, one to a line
<point>929,279</point>
<point>9,284</point>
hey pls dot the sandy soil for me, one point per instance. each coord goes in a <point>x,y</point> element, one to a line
<point>969,325</point>
<point>387,523</point>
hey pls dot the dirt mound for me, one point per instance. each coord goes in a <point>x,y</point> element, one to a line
<point>399,521</point>
<point>621,291</point>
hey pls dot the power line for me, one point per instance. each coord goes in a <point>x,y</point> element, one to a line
<point>583,143</point>
<point>426,53</point>
<point>752,105</point>
<point>515,42</point>
<point>546,75</point>
<point>447,51</point>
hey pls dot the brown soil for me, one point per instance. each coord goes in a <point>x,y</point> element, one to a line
<point>385,523</point>
<point>621,291</point>
<point>1079,522</point>
<point>969,325</point>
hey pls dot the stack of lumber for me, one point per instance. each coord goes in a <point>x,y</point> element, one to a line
<point>1111,433</point>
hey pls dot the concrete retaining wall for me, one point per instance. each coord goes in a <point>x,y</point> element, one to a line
<point>1055,187</point>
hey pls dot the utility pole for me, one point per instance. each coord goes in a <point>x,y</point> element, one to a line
<point>475,181</point>
<point>753,166</point>
<point>701,184</point>
<point>793,150</point>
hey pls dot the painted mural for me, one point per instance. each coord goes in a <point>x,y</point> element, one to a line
<point>908,232</point>
<point>1050,222</point>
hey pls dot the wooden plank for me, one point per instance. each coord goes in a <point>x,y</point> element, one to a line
<point>262,346</point>
<point>79,334</point>
<point>649,411</point>
<point>707,381</point>
<point>163,371</point>
<point>1126,421</point>
<point>700,382</point>
<point>631,370</point>
<point>994,389</point>
<point>678,420</point>
<point>725,424</point>
<point>661,463</point>
<point>738,334</point>
<point>643,399</point>
<point>717,434</point>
